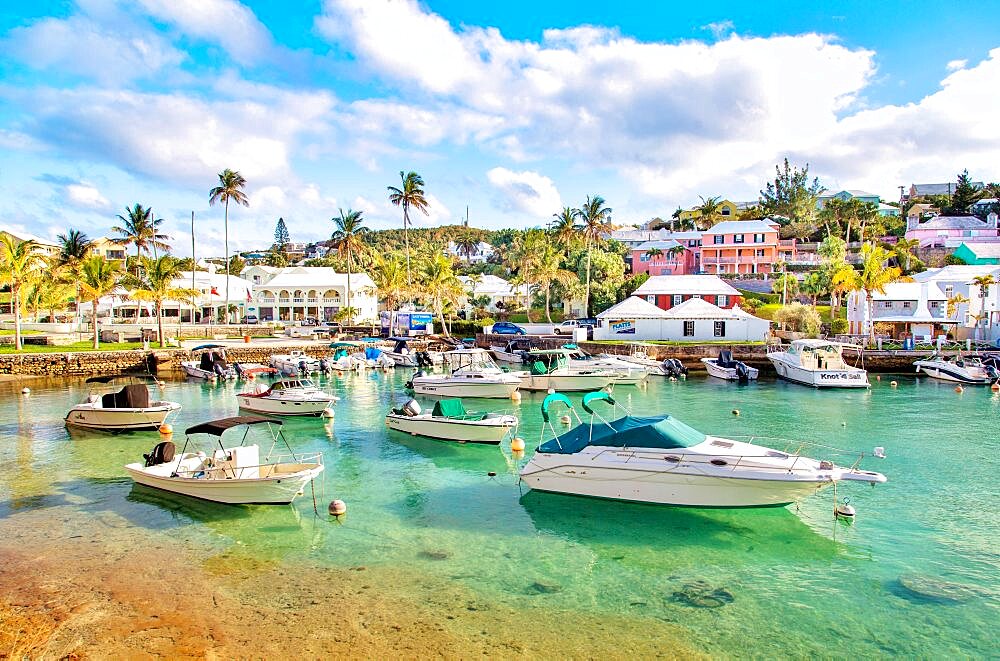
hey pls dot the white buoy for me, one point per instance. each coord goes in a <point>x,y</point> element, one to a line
<point>844,511</point>
<point>736,411</point>
<point>879,452</point>
<point>26,390</point>
<point>328,413</point>
<point>893,384</point>
<point>878,377</point>
<point>959,389</point>
<point>338,507</point>
<point>517,444</point>
<point>565,420</point>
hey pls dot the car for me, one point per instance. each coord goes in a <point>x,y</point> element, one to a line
<point>508,328</point>
<point>310,321</point>
<point>251,319</point>
<point>571,325</point>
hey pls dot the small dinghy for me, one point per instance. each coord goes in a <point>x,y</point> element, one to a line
<point>724,367</point>
<point>449,421</point>
<point>295,362</point>
<point>108,408</point>
<point>236,475</point>
<point>209,363</point>
<point>969,370</point>
<point>287,397</point>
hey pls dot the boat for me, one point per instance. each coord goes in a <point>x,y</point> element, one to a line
<point>401,354</point>
<point>818,363</point>
<point>449,421</point>
<point>209,364</point>
<point>235,475</point>
<point>253,370</point>
<point>626,373</point>
<point>514,351</point>
<point>295,362</point>
<point>128,408</point>
<point>659,459</point>
<point>287,397</point>
<point>969,370</point>
<point>548,369</point>
<point>640,356</point>
<point>724,367</point>
<point>470,373</point>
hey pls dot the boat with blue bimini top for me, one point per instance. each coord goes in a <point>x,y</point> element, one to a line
<point>726,367</point>
<point>659,459</point>
<point>237,474</point>
<point>449,421</point>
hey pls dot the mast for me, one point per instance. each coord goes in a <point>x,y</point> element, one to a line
<point>193,266</point>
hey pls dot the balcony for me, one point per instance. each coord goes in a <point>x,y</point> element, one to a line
<point>266,300</point>
<point>707,261</point>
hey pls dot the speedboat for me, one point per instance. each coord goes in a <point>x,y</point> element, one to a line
<point>236,474</point>
<point>724,367</point>
<point>295,362</point>
<point>449,421</point>
<point>659,459</point>
<point>253,370</point>
<point>639,356</point>
<point>287,397</point>
<point>209,364</point>
<point>108,408</point>
<point>969,370</point>
<point>626,373</point>
<point>548,369</point>
<point>403,356</point>
<point>471,373</point>
<point>818,363</point>
<point>513,351</point>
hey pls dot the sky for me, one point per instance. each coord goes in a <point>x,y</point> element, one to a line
<point>508,110</point>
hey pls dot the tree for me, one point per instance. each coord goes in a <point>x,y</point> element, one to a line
<point>952,305</point>
<point>73,248</point>
<point>873,277</point>
<point>156,285</point>
<point>275,258</point>
<point>19,263</point>
<point>439,283</point>
<point>904,250</point>
<point>548,270</point>
<point>709,212</point>
<point>281,236</point>
<point>814,285</point>
<point>98,278</point>
<point>388,275</point>
<point>965,195</point>
<point>467,245</point>
<point>833,251</point>
<point>983,283</point>
<point>653,253</point>
<point>799,318</point>
<point>791,196</point>
<point>596,221</point>
<point>564,228</point>
<point>844,216</point>
<point>140,228</point>
<point>785,284</point>
<point>347,240</point>
<point>230,187</point>
<point>236,264</point>
<point>410,194</point>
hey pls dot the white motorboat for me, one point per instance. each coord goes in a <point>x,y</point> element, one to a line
<point>724,367</point>
<point>234,475</point>
<point>640,356</point>
<point>513,351</point>
<point>659,459</point>
<point>295,362</point>
<point>449,421</point>
<point>402,355</point>
<point>471,373</point>
<point>108,408</point>
<point>968,370</point>
<point>287,397</point>
<point>548,369</point>
<point>818,363</point>
<point>626,373</point>
<point>208,363</point>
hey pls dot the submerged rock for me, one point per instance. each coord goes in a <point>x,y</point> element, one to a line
<point>699,594</point>
<point>544,588</point>
<point>434,555</point>
<point>920,587</point>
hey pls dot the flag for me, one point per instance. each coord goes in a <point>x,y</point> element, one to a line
<point>249,297</point>
<point>214,292</point>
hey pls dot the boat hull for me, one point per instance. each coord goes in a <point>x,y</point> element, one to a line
<point>565,382</point>
<point>727,373</point>
<point>491,431</point>
<point>283,407</point>
<point>951,374</point>
<point>839,378</point>
<point>278,490</point>
<point>120,419</point>
<point>444,387</point>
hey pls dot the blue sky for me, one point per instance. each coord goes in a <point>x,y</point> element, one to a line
<point>514,109</point>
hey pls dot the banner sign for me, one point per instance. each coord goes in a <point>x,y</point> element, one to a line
<point>623,326</point>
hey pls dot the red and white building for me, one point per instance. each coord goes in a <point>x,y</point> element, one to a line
<point>668,291</point>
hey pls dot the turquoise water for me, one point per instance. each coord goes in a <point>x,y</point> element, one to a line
<point>917,574</point>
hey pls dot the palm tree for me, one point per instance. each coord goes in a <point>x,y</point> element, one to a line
<point>139,228</point>
<point>564,228</point>
<point>98,278</point>
<point>596,220</point>
<point>230,187</point>
<point>467,245</point>
<point>951,306</point>
<point>814,286</point>
<point>709,212</point>
<point>156,284</point>
<point>19,263</point>
<point>388,276</point>
<point>653,253</point>
<point>73,247</point>
<point>871,279</point>
<point>906,256</point>
<point>548,270</point>
<point>347,240</point>
<point>983,282</point>
<point>411,194</point>
<point>439,283</point>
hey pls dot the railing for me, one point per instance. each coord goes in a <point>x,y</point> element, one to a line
<point>284,300</point>
<point>266,300</point>
<point>298,300</point>
<point>212,467</point>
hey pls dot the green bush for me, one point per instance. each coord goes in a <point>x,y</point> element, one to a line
<point>799,318</point>
<point>838,326</point>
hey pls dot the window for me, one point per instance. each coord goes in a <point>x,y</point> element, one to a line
<point>678,299</point>
<point>688,329</point>
<point>651,298</point>
<point>644,257</point>
<point>907,305</point>
<point>719,238</point>
<point>722,300</point>
<point>720,329</point>
<point>760,252</point>
<point>692,243</point>
<point>725,211</point>
<point>949,291</point>
<point>887,304</point>
<point>737,238</point>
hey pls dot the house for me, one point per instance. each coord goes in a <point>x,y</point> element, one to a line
<point>864,196</point>
<point>950,231</point>
<point>727,210</point>
<point>923,190</point>
<point>743,246</point>
<point>43,247</point>
<point>919,212</point>
<point>296,292</point>
<point>903,308</point>
<point>694,319</point>
<point>632,237</point>
<point>978,253</point>
<point>208,305</point>
<point>502,295</point>
<point>109,249</point>
<point>668,291</point>
<point>675,258</point>
<point>479,255</point>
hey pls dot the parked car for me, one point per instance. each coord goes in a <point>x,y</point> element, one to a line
<point>567,327</point>
<point>251,319</point>
<point>508,328</point>
<point>310,321</point>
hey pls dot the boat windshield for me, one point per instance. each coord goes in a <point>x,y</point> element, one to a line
<point>470,361</point>
<point>662,432</point>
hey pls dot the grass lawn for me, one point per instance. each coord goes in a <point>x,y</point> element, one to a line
<point>767,311</point>
<point>4,331</point>
<point>76,346</point>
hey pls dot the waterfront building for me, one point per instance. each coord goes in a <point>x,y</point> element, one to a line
<point>668,291</point>
<point>744,246</point>
<point>696,319</point>
<point>43,247</point>
<point>951,231</point>
<point>296,292</point>
<point>679,255</point>
<point>501,293</point>
<point>109,249</point>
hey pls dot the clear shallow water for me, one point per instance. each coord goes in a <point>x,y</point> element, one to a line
<point>918,574</point>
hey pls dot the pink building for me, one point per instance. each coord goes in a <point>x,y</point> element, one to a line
<point>951,231</point>
<point>679,255</point>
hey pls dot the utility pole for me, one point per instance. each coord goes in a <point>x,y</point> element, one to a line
<point>194,265</point>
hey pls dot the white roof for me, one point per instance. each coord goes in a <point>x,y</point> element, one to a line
<point>662,245</point>
<point>25,236</point>
<point>685,284</point>
<point>633,307</point>
<point>956,273</point>
<point>312,277</point>
<point>909,291</point>
<point>983,250</point>
<point>491,285</point>
<point>953,223</point>
<point>699,308</point>
<point>742,227</point>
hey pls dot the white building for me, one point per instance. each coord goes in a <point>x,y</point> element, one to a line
<point>208,305</point>
<point>694,320</point>
<point>480,255</point>
<point>296,292</point>
<point>44,247</point>
<point>502,294</point>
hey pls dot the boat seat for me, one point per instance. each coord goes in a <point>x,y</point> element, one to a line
<point>538,368</point>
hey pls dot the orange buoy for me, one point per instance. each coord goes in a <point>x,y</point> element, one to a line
<point>959,389</point>
<point>517,444</point>
<point>166,429</point>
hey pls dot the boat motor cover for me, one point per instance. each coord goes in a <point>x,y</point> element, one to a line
<point>663,432</point>
<point>372,353</point>
<point>133,396</point>
<point>449,408</point>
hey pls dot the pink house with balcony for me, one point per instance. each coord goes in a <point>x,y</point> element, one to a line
<point>743,246</point>
<point>951,231</point>
<point>678,255</point>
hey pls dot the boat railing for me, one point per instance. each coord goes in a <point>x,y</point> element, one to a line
<point>800,445</point>
<point>212,467</point>
<point>730,461</point>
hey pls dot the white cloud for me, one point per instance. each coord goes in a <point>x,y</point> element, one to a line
<point>525,192</point>
<point>719,29</point>
<point>86,196</point>
<point>955,65</point>
<point>227,22</point>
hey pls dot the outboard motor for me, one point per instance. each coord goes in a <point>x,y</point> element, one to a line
<point>992,373</point>
<point>674,367</point>
<point>409,384</point>
<point>742,373</point>
<point>302,367</point>
<point>240,372</point>
<point>218,369</point>
<point>161,453</point>
<point>424,359</point>
<point>411,408</point>
<point>323,365</point>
